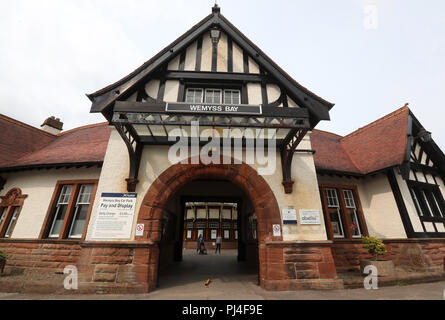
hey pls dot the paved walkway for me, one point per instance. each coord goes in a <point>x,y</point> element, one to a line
<point>233,281</point>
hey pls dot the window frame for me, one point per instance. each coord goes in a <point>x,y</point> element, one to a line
<point>64,233</point>
<point>429,203</point>
<point>346,225</point>
<point>222,89</point>
<point>11,200</point>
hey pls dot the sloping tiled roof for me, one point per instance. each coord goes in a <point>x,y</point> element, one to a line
<point>379,145</point>
<point>86,144</point>
<point>18,139</point>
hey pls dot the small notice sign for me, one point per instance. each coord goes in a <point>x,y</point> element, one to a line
<point>115,215</point>
<point>276,230</point>
<point>310,217</point>
<point>140,229</point>
<point>289,216</point>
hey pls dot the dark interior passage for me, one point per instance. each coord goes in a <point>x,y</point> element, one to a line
<point>192,211</point>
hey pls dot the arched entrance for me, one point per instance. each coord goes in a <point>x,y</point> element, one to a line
<point>174,178</point>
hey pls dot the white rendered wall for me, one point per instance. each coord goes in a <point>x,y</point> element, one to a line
<point>39,185</point>
<point>378,204</point>
<point>154,161</point>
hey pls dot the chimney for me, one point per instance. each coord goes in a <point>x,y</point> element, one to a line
<point>52,125</point>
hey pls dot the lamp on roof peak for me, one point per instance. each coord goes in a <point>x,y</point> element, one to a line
<point>216,8</point>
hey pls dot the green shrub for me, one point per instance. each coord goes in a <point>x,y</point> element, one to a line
<point>375,246</point>
<point>3,255</point>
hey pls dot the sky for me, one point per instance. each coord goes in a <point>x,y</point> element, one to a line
<point>369,57</point>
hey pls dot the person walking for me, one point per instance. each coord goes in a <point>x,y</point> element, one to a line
<point>199,243</point>
<point>218,244</point>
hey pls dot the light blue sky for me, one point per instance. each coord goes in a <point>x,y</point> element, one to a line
<point>53,52</point>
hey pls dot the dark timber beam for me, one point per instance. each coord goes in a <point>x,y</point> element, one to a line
<point>215,76</point>
<point>287,152</point>
<point>134,148</point>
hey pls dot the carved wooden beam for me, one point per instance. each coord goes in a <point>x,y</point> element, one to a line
<point>134,148</point>
<point>287,152</point>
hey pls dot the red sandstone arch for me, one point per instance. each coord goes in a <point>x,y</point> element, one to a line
<point>244,176</point>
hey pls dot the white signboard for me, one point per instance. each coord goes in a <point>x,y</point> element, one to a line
<point>289,216</point>
<point>276,230</point>
<point>140,229</point>
<point>310,217</point>
<point>213,234</point>
<point>115,217</point>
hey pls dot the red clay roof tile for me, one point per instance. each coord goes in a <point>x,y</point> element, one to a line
<point>379,145</point>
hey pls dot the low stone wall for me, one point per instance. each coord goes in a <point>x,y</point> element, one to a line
<point>39,256</point>
<point>298,265</point>
<point>411,254</point>
<point>104,267</point>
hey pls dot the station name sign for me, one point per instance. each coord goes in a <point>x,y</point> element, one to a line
<point>199,108</point>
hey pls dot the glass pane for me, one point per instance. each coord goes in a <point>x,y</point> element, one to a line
<point>416,201</point>
<point>58,221</point>
<point>349,199</point>
<point>12,222</point>
<point>193,96</point>
<point>337,228</point>
<point>85,194</point>
<point>213,96</point>
<point>79,221</point>
<point>231,97</point>
<point>436,199</point>
<point>355,226</point>
<point>332,198</point>
<point>65,194</point>
<point>3,214</point>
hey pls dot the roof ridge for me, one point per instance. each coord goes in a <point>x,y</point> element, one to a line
<point>327,132</point>
<point>378,121</point>
<point>25,125</point>
<point>82,127</point>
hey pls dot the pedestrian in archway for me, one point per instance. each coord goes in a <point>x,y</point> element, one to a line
<point>198,248</point>
<point>218,244</point>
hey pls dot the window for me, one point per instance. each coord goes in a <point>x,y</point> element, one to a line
<point>232,97</point>
<point>213,225</point>
<point>343,215</point>
<point>69,212</point>
<point>10,207</point>
<point>213,96</point>
<point>194,96</point>
<point>12,221</point>
<point>81,211</point>
<point>429,204</point>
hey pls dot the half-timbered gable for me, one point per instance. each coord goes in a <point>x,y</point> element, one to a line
<point>214,67</point>
<point>423,171</point>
